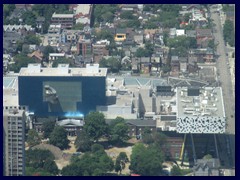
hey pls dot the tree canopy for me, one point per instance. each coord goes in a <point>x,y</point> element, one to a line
<point>146,161</point>
<point>176,171</point>
<point>33,138</point>
<point>121,161</point>
<point>40,162</point>
<point>59,138</point>
<point>47,128</point>
<point>228,32</point>
<point>104,12</point>
<point>94,163</point>
<point>83,142</point>
<point>113,64</point>
<point>95,125</point>
<point>20,60</point>
<point>118,131</point>
<point>62,60</point>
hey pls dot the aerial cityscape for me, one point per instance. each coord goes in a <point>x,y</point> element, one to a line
<point>119,89</point>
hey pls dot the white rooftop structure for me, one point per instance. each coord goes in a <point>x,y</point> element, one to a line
<point>203,113</point>
<point>83,8</point>
<point>62,15</point>
<point>180,32</point>
<point>63,70</point>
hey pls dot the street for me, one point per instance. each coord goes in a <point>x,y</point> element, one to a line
<point>222,64</point>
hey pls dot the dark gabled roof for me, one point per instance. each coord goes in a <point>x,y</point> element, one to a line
<point>204,32</point>
<point>137,122</point>
<point>121,31</point>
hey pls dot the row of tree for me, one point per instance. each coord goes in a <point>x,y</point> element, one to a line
<point>228,33</point>
<point>40,163</point>
<point>57,136</point>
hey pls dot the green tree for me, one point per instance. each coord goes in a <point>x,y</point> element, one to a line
<point>121,161</point>
<point>126,15</point>
<point>33,138</point>
<point>83,142</point>
<point>104,12</point>
<point>47,128</point>
<point>59,138</point>
<point>29,18</point>
<point>48,49</point>
<point>78,26</point>
<point>146,161</point>
<point>62,60</point>
<point>92,163</point>
<point>32,39</point>
<point>116,121</point>
<point>51,167</point>
<point>113,64</point>
<point>71,170</point>
<point>105,34</point>
<point>95,125</point>
<point>166,68</point>
<point>176,171</point>
<point>119,133</point>
<point>228,32</point>
<point>141,52</point>
<point>21,60</point>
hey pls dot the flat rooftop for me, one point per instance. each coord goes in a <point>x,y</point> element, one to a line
<point>10,91</point>
<point>83,8</point>
<point>63,70</point>
<point>208,103</point>
<point>62,15</point>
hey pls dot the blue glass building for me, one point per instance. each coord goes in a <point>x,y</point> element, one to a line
<point>62,91</point>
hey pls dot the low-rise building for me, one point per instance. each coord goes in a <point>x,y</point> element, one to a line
<point>66,20</point>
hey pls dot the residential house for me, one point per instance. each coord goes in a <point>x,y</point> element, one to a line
<point>192,66</point>
<point>207,167</point>
<point>120,35</point>
<point>203,37</point>
<point>172,32</point>
<point>54,56</point>
<point>183,64</point>
<point>203,55</point>
<point>149,34</point>
<point>175,65</point>
<point>37,56</point>
<point>191,33</point>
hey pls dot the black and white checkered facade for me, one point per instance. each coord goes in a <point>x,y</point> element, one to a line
<point>207,124</point>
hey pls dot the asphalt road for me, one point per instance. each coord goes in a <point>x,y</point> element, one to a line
<point>226,84</point>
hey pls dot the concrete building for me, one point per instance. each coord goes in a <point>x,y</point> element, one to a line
<point>54,34</point>
<point>13,142</point>
<point>200,110</point>
<point>99,50</point>
<point>58,91</point>
<point>84,47</point>
<point>66,20</point>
